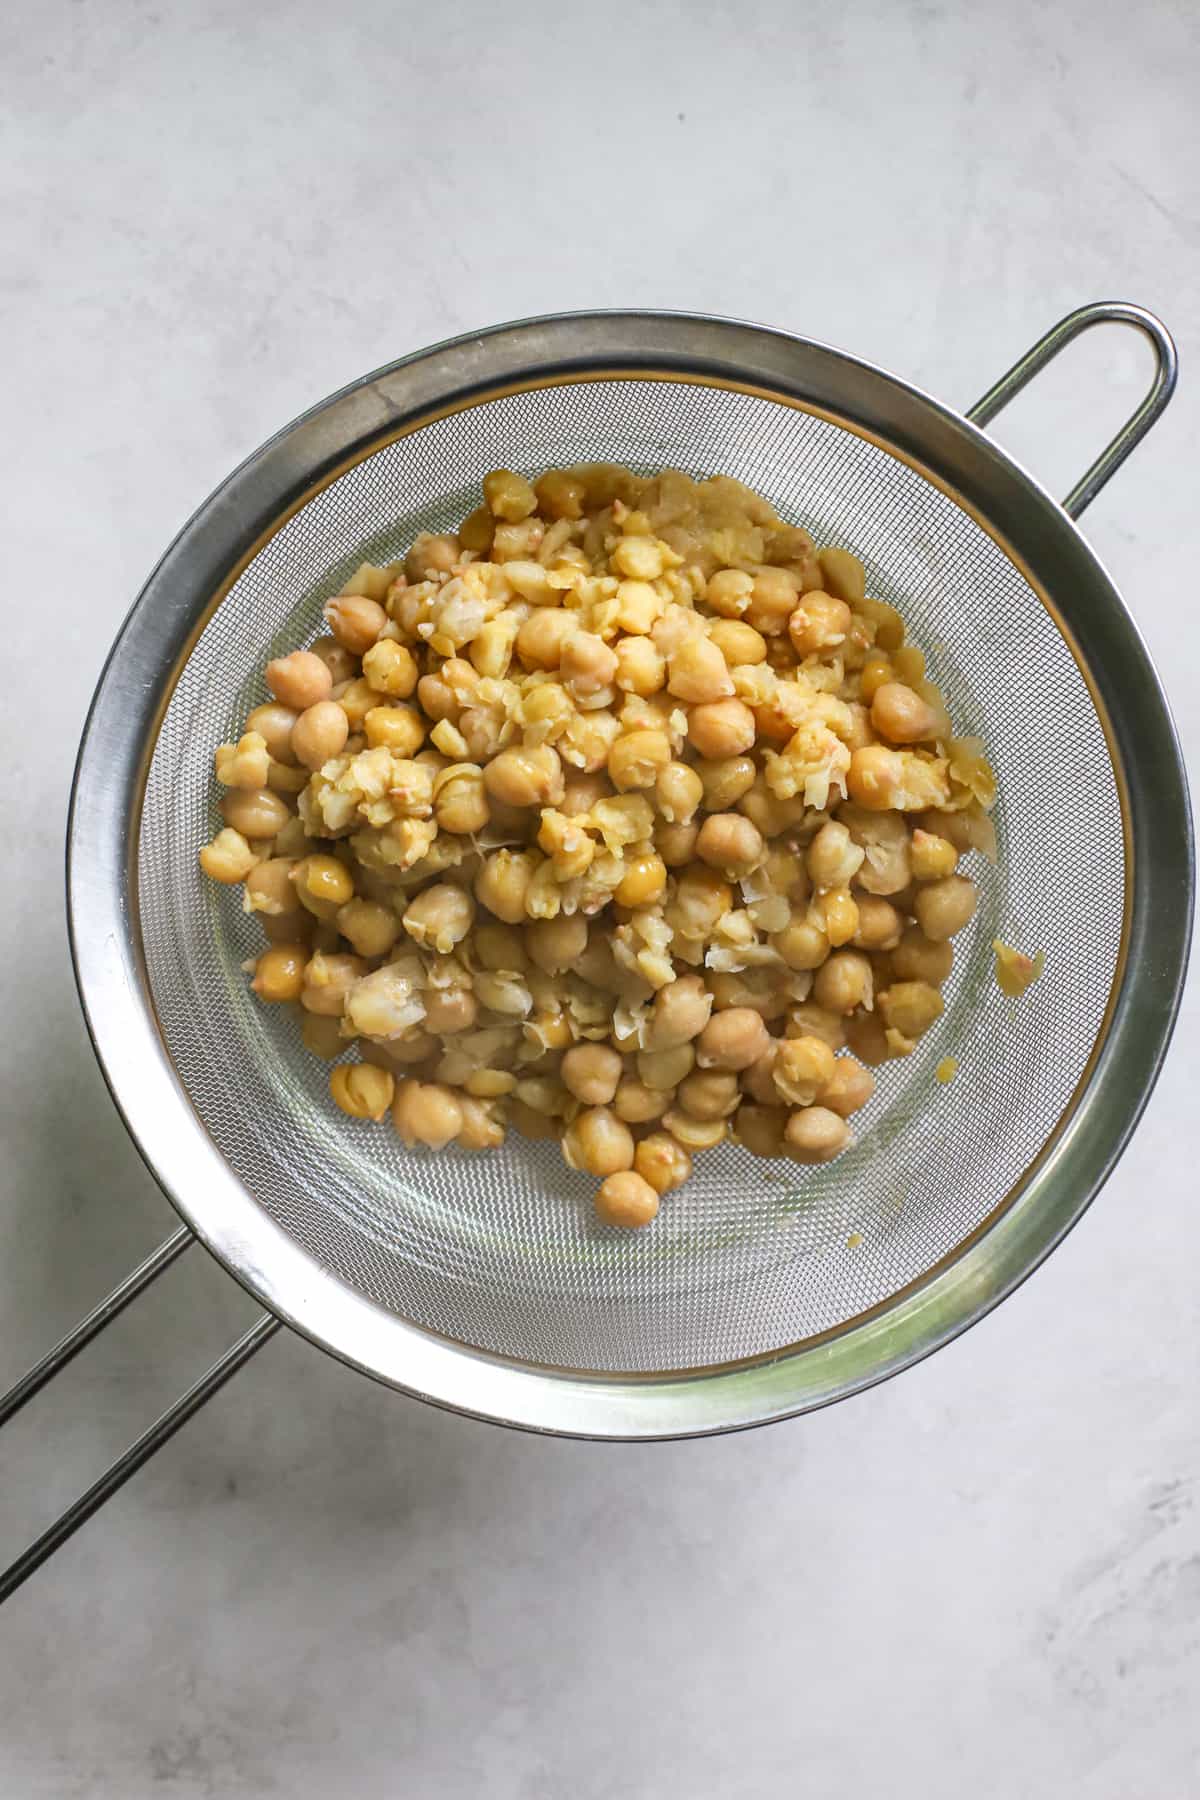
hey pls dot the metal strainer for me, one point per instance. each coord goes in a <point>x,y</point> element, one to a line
<point>484,1283</point>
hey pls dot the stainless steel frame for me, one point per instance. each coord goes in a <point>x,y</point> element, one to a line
<point>102,840</point>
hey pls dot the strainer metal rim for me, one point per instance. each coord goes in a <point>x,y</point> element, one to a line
<point>102,888</point>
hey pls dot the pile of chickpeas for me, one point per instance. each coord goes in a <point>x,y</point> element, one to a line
<point>623,816</point>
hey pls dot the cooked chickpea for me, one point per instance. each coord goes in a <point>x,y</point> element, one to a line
<point>773,599</point>
<point>639,604</point>
<point>638,1104</point>
<point>320,733</point>
<point>729,842</point>
<point>820,622</point>
<point>918,958</point>
<point>587,664</point>
<point>541,637</point>
<point>582,791</point>
<point>679,1013</point>
<point>844,574</point>
<point>721,728</point>
<point>508,496</point>
<point>269,888</point>
<point>839,915</point>
<point>833,859</point>
<point>500,947</point>
<point>696,672</point>
<point>399,729</point>
<point>801,1068</point>
<point>677,843</point>
<point>355,621</point>
<point>644,880</point>
<point>943,907</point>
<point>758,1081</point>
<point>725,782</point>
<point>879,924</point>
<point>709,1093</point>
<point>503,883</point>
<point>902,716</point>
<point>426,1112</point>
<point>639,558</point>
<point>559,495</point>
<point>482,1124</point>
<point>739,643</point>
<point>911,1007</point>
<point>274,724</point>
<point>933,857</point>
<point>887,868</point>
<point>875,778</point>
<point>662,1161</point>
<point>598,1142</point>
<point>663,1070</point>
<point>440,917</point>
<point>591,1072</point>
<point>849,1087</point>
<point>328,978</point>
<point>556,945</point>
<point>728,592</point>
<point>733,1039</point>
<point>641,666</point>
<point>363,1090</point>
<point>694,1134</point>
<point>228,859</point>
<point>460,803</point>
<point>627,1200</point>
<point>390,669</point>
<point>337,659</point>
<point>255,812</point>
<point>321,1035</point>
<point>802,944</point>
<point>448,1010</point>
<point>760,1130</point>
<point>279,972</point>
<point>299,680</point>
<point>638,758</point>
<point>322,884</point>
<point>369,928</point>
<point>678,792</point>
<point>525,777</point>
<point>431,554</point>
<point>816,1134</point>
<point>843,981</point>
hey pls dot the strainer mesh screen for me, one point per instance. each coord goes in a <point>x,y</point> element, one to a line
<point>501,1251</point>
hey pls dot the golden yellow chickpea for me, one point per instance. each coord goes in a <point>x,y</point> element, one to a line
<point>559,494</point>
<point>321,1035</point>
<point>298,680</point>
<point>228,859</point>
<point>663,1070</point>
<point>363,1090</point>
<point>911,1007</point>
<point>269,888</point>
<point>944,907</point>
<point>400,729</point>
<point>508,496</point>
<point>844,574</point>
<point>541,637</point>
<point>566,843</point>
<point>644,880</point>
<point>728,592</point>
<point>587,664</point>
<point>725,782</point>
<point>709,1093</point>
<point>370,928</point>
<point>626,1200</point>
<point>843,981</point>
<point>390,669</point>
<point>677,843</point>
<point>760,1130</point>
<point>427,1113</point>
<point>440,917</point>
<point>816,1134</point>
<point>322,884</point>
<point>803,944</point>
<point>933,857</point>
<point>640,558</point>
<point>662,1161</point>
<point>641,667</point>
<point>820,622</point>
<point>638,1104</point>
<point>460,803</point>
<point>773,600</point>
<point>879,923</point>
<point>525,777</point>
<point>739,643</point>
<point>876,671</point>
<point>638,758</point>
<point>320,733</point>
<point>730,843</point>
<point>448,1010</point>
<point>839,915</point>
<point>918,958</point>
<point>279,973</point>
<point>849,1087</point>
<point>503,883</point>
<point>801,1068</point>
<point>639,604</point>
<point>482,1125</point>
<point>328,978</point>
<point>599,1142</point>
<point>733,1039</point>
<point>875,779</point>
<point>721,728</point>
<point>678,792</point>
<point>902,716</point>
<point>591,1072</point>
<point>696,672</point>
<point>255,812</point>
<point>355,621</point>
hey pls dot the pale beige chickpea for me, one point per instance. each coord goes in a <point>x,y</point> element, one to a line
<point>679,1013</point>
<point>772,816</point>
<point>320,733</point>
<point>773,600</point>
<point>644,880</point>
<point>328,978</point>
<point>503,883</point>
<point>733,1039</point>
<point>911,1007</point>
<point>876,777</point>
<point>662,1161</point>
<point>525,777</point>
<point>678,792</point>
<point>440,917</point>
<point>355,621</point>
<point>626,1200</point>
<point>279,973</point>
<point>802,944</point>
<point>639,558</point>
<point>370,928</point>
<point>760,1130</point>
<point>879,923</point>
<point>729,842</point>
<point>728,592</point>
<point>587,664</point>
<point>321,1035</point>
<point>677,843</point>
<point>341,664</point>
<point>398,728</point>
<point>460,802</point>
<point>269,887</point>
<point>697,672</point>
<point>820,622</point>
<point>363,1090</point>
<point>843,981</point>
<point>918,958</point>
<point>556,945</point>
<point>807,1019</point>
<point>641,667</point>
<point>322,884</point>
<point>431,554</point>
<point>833,858</point>
<point>638,758</point>
<point>726,781</point>
<point>739,643</point>
<point>816,1134</point>
<point>638,1104</point>
<point>933,857</point>
<point>598,1142</point>
<point>721,728</point>
<point>298,680</point>
<point>444,693</point>
<point>255,812</point>
<point>449,1010</point>
<point>508,496</point>
<point>541,637</point>
<point>942,908</point>
<point>848,1088</point>
<point>390,669</point>
<point>663,1070</point>
<point>274,723</point>
<point>591,1072</point>
<point>709,1093</point>
<point>427,1113</point>
<point>902,716</point>
<point>560,495</point>
<point>582,791</point>
<point>228,859</point>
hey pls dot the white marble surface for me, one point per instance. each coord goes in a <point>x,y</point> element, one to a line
<point>983,1577</point>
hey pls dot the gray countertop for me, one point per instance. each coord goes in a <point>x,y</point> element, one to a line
<point>984,1576</point>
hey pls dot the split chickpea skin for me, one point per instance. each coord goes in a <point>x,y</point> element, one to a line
<point>622,817</point>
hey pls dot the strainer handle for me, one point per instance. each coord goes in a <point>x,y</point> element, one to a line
<point>164,1427</point>
<point>1101,312</point>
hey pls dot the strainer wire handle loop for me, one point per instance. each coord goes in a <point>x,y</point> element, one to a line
<point>1100,312</point>
<point>164,1427</point>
